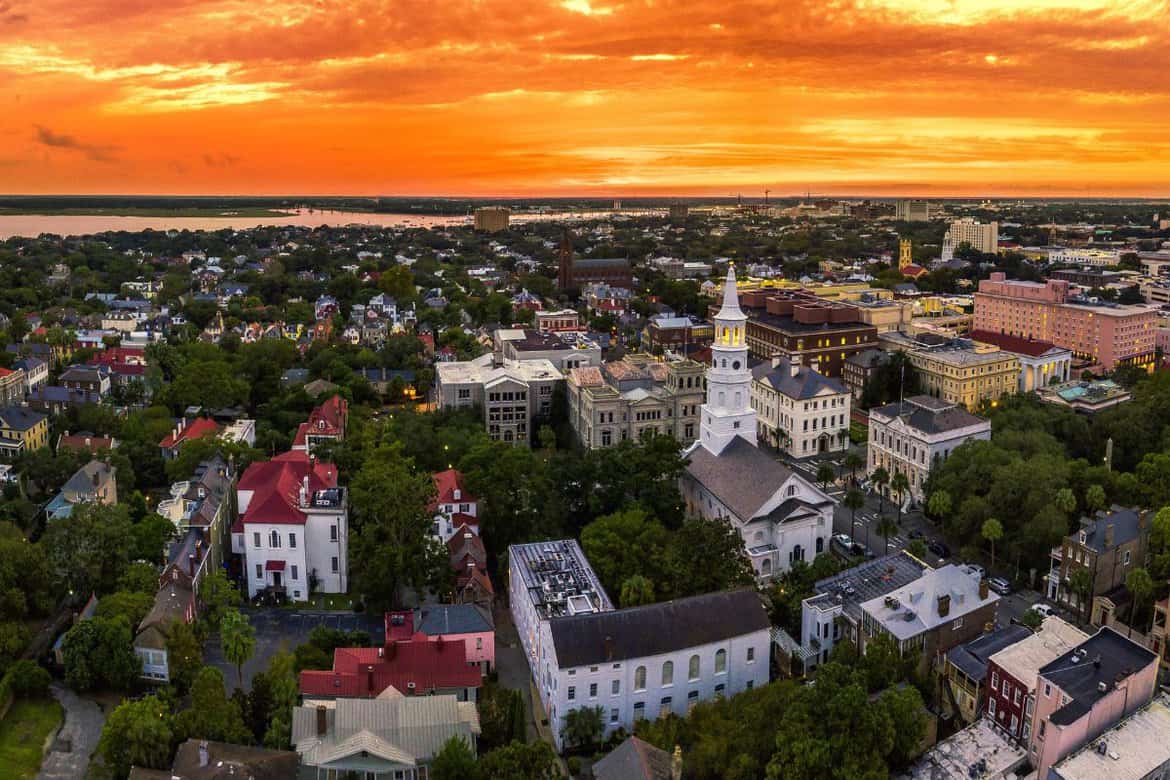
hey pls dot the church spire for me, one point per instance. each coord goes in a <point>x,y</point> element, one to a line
<point>730,295</point>
<point>728,412</point>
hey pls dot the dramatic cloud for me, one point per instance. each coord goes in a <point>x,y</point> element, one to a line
<point>591,96</point>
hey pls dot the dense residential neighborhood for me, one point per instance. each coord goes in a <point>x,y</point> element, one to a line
<point>811,489</point>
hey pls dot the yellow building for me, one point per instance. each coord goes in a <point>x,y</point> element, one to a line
<point>842,291</point>
<point>22,430</point>
<point>966,373</point>
<point>905,255</point>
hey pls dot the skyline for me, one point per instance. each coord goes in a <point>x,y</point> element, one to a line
<point>953,98</point>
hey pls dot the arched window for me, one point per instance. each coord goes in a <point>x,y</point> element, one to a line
<point>693,668</point>
<point>759,537</point>
<point>668,673</point>
<point>820,545</point>
<point>640,678</point>
<point>720,661</point>
<point>765,567</point>
<point>274,540</point>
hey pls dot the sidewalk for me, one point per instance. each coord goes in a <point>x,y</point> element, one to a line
<point>68,758</point>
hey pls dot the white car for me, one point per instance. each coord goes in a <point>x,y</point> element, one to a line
<point>1044,610</point>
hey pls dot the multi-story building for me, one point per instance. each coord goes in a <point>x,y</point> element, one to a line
<point>565,350</point>
<point>1138,747</point>
<point>676,333</point>
<point>452,506</point>
<point>834,613</point>
<point>859,369</point>
<point>965,670</point>
<point>913,211</point>
<point>326,423</point>
<point>293,527</point>
<point>912,435</point>
<point>1109,546</point>
<point>980,236</point>
<point>1012,674</point>
<point>943,608</point>
<point>1159,632</point>
<point>791,324</point>
<point>36,373</point>
<point>634,397</point>
<point>636,663</point>
<point>798,409</point>
<point>1104,333</point>
<point>1041,363</point>
<point>1098,258</point>
<point>957,370</point>
<point>1087,396</point>
<point>1086,691</point>
<point>94,483</point>
<point>22,430</point>
<point>492,219</point>
<point>512,394</point>
<point>12,387</point>
<point>883,313</point>
<point>557,321</point>
<point>781,516</point>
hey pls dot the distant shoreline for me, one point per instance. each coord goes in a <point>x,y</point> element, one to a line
<point>133,211</point>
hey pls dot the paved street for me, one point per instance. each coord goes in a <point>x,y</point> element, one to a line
<point>280,630</point>
<point>68,757</point>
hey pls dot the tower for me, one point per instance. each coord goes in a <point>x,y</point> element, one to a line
<point>565,269</point>
<point>905,257</point>
<point>728,412</point>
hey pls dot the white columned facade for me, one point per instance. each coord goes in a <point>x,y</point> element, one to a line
<point>728,412</point>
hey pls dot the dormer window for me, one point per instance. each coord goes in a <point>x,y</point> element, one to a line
<point>1083,537</point>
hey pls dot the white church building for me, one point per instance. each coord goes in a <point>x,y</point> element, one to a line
<point>782,517</point>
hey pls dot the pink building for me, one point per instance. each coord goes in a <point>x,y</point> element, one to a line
<point>1106,334</point>
<point>469,623</point>
<point>1085,692</point>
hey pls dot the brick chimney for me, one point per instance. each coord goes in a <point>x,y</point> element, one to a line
<point>191,564</point>
<point>370,679</point>
<point>982,589</point>
<point>1108,535</point>
<point>322,720</point>
<point>944,605</point>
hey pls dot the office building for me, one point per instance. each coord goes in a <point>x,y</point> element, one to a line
<point>1096,258</point>
<point>798,409</point>
<point>958,371</point>
<point>491,219</point>
<point>980,236</point>
<point>564,349</point>
<point>913,211</point>
<point>512,394</point>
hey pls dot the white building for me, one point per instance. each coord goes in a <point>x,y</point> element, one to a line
<point>293,528</point>
<point>636,663</point>
<point>913,210</point>
<point>982,236</point>
<point>1097,258</point>
<point>911,435</point>
<point>512,393</point>
<point>798,409</point>
<point>782,517</point>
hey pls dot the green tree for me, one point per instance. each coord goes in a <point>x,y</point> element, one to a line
<point>89,550</point>
<point>905,710</point>
<point>212,715</point>
<point>1094,498</point>
<point>238,638</point>
<point>98,654</point>
<point>917,548</point>
<point>624,545</point>
<point>392,547</point>
<point>138,733</point>
<point>854,500</point>
<point>133,605</point>
<point>825,475</point>
<point>1141,586</point>
<point>636,591</point>
<point>584,726</point>
<point>218,594</point>
<point>520,761</point>
<point>1066,501</point>
<point>454,761</point>
<point>886,527</point>
<point>1081,583</point>
<point>900,485</point>
<point>853,462</point>
<point>184,655</point>
<point>880,478</point>
<point>140,577</point>
<point>722,566</point>
<point>992,531</point>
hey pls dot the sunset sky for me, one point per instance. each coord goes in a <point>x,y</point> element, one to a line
<point>600,97</point>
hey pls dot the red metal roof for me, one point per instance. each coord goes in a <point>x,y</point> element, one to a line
<point>446,483</point>
<point>328,419</point>
<point>276,486</point>
<point>274,566</point>
<point>196,429</point>
<point>1008,343</point>
<point>415,667</point>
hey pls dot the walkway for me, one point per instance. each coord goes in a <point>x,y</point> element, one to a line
<point>69,754</point>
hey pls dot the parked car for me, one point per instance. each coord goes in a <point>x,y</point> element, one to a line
<point>1044,610</point>
<point>862,551</point>
<point>1000,585</point>
<point>940,549</point>
<point>844,540</point>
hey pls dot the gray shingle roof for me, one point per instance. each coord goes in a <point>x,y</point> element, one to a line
<point>669,626</point>
<point>971,658</point>
<point>634,759</point>
<point>806,384</point>
<point>1126,523</point>
<point>18,418</point>
<point>929,415</point>
<point>742,476</point>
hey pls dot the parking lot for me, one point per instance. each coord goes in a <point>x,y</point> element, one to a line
<point>279,630</point>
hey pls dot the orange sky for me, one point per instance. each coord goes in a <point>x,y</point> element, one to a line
<point>604,97</point>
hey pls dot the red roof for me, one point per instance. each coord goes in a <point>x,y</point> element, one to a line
<point>196,429</point>
<point>121,356</point>
<point>328,419</point>
<point>399,625</point>
<point>274,566</point>
<point>1019,344</point>
<point>415,667</point>
<point>446,483</point>
<point>82,442</point>
<point>5,371</point>
<point>913,270</point>
<point>276,486</point>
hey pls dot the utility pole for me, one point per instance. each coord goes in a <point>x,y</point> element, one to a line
<point>1109,454</point>
<point>766,193</point>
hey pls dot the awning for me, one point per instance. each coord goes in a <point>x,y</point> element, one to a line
<point>274,566</point>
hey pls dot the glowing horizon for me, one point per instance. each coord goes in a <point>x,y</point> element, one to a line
<point>598,98</point>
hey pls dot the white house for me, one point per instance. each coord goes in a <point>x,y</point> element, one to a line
<point>799,409</point>
<point>782,517</point>
<point>911,435</point>
<point>453,506</point>
<point>293,528</point>
<point>635,663</point>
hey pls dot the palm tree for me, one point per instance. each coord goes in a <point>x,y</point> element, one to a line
<point>1141,585</point>
<point>853,462</point>
<point>1081,583</point>
<point>992,531</point>
<point>899,484</point>
<point>825,475</point>
<point>886,527</point>
<point>854,500</point>
<point>939,505</point>
<point>238,639</point>
<point>1094,498</point>
<point>881,478</point>
<point>1066,501</point>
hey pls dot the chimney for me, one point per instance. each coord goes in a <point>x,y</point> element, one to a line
<point>676,764</point>
<point>204,756</point>
<point>1108,535</point>
<point>944,605</point>
<point>982,589</point>
<point>322,721</point>
<point>199,549</point>
<point>370,679</point>
<point>815,365</point>
<point>609,648</point>
<point>776,361</point>
<point>794,365</point>
<point>1142,520</point>
<point>191,564</point>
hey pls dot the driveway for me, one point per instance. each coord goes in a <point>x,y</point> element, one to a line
<point>512,665</point>
<point>68,757</point>
<point>279,630</point>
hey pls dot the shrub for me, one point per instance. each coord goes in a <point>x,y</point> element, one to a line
<point>574,766</point>
<point>28,680</point>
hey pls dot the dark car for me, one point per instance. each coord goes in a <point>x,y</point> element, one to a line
<point>940,549</point>
<point>861,550</point>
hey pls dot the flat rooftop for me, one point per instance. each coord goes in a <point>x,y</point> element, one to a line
<point>980,750</point>
<point>913,609</point>
<point>1131,750</point>
<point>559,580</point>
<point>872,579</point>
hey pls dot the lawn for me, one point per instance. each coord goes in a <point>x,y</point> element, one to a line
<point>22,735</point>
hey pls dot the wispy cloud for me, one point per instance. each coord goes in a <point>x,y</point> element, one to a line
<point>99,153</point>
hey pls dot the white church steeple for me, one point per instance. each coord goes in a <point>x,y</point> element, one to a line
<point>728,412</point>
